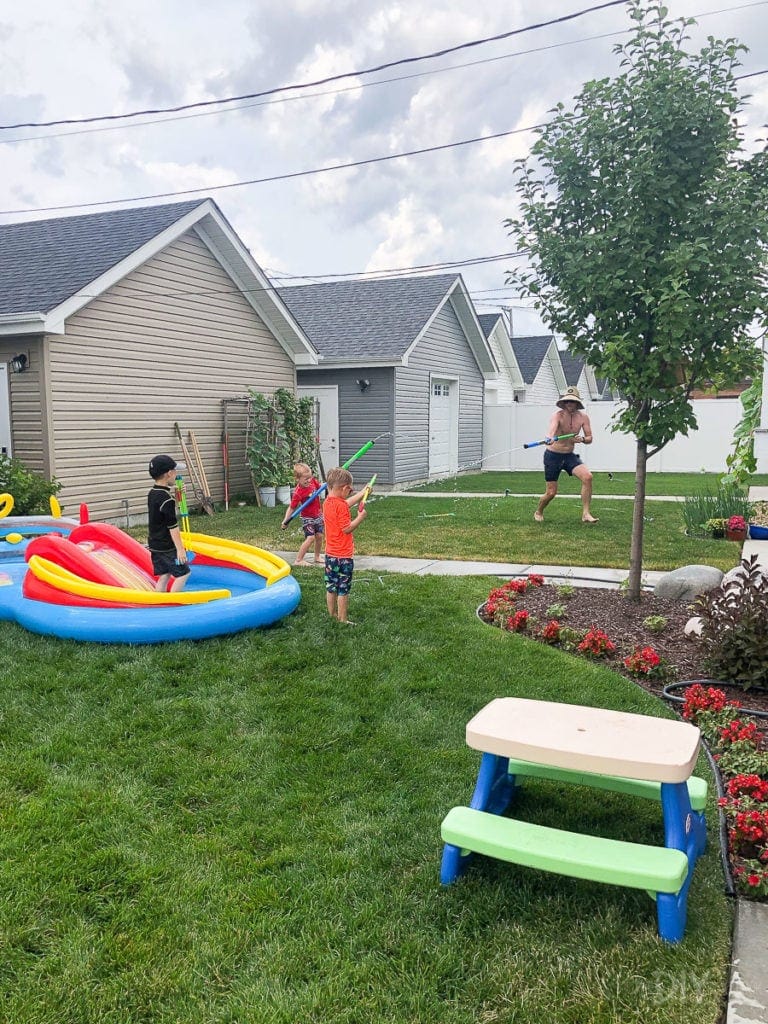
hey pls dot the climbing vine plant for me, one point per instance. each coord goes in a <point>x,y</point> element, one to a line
<point>281,431</point>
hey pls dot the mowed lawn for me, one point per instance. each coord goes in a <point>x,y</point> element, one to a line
<point>495,529</point>
<point>247,830</point>
<point>605,484</point>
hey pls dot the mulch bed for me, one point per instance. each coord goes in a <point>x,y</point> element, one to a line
<point>622,620</point>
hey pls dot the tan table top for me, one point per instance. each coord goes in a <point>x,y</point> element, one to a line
<point>586,739</point>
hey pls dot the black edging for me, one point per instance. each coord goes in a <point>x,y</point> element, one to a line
<point>730,888</point>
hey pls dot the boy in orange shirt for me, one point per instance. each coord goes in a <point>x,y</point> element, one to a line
<point>339,545</point>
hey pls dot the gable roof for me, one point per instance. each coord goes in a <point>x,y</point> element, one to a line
<point>572,366</point>
<point>354,323</point>
<point>530,353</point>
<point>44,262</point>
<point>49,269</point>
<point>488,321</point>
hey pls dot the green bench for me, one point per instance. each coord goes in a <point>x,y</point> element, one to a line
<point>653,868</point>
<point>697,788</point>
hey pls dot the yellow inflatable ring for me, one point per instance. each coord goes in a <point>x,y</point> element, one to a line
<point>6,505</point>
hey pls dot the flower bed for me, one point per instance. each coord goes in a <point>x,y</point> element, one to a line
<point>743,766</point>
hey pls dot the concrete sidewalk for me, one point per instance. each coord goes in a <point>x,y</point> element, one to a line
<point>578,575</point>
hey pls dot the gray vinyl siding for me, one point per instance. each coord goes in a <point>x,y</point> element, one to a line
<point>362,417</point>
<point>166,344</point>
<point>443,352</point>
<point>29,430</point>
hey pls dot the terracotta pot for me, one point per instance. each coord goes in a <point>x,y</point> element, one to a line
<point>737,535</point>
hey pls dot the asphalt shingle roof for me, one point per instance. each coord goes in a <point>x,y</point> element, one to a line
<point>44,262</point>
<point>572,367</point>
<point>530,353</point>
<point>488,321</point>
<point>352,320</point>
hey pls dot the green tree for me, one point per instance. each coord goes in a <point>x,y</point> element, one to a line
<point>646,226</point>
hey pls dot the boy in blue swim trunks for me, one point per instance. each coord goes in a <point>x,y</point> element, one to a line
<point>339,545</point>
<point>570,418</point>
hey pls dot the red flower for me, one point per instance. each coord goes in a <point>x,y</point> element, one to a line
<point>596,643</point>
<point>518,622</point>
<point>551,632</point>
<point>535,580</point>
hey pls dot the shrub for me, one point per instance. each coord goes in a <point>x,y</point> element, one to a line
<point>645,662</point>
<point>550,634</point>
<point>596,644</point>
<point>734,634</point>
<point>655,623</point>
<point>556,611</point>
<point>570,639</point>
<point>518,623</point>
<point>566,590</point>
<point>31,491</point>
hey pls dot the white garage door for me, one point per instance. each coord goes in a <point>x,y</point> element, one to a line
<point>440,427</point>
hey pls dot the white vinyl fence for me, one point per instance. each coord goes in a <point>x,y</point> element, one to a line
<point>508,427</point>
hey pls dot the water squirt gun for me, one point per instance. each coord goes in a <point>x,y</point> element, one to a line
<point>324,487</point>
<point>548,440</point>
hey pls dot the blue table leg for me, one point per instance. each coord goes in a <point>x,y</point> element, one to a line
<point>493,792</point>
<point>684,830</point>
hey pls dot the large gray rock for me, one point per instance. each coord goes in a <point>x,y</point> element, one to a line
<point>688,582</point>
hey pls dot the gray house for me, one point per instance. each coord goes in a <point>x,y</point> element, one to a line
<point>404,360</point>
<point>116,325</point>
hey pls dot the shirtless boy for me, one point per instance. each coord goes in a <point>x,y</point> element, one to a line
<point>570,418</point>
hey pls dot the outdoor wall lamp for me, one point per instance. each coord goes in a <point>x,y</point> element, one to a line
<point>363,384</point>
<point>19,363</point>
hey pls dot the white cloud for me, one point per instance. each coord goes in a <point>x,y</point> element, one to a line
<point>408,235</point>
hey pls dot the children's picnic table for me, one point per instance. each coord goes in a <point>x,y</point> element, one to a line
<point>611,750</point>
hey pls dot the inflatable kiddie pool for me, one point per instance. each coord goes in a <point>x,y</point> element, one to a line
<point>93,582</point>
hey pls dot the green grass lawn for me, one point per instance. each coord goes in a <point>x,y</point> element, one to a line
<point>247,830</point>
<point>494,529</point>
<point>530,482</point>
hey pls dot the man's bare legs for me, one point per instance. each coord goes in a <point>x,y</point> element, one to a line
<point>548,495</point>
<point>584,475</point>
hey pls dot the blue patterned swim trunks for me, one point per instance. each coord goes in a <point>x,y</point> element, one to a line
<point>338,574</point>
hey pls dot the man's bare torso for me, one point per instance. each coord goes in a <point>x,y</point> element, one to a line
<point>567,423</point>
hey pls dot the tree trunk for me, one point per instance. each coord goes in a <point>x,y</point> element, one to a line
<point>636,548</point>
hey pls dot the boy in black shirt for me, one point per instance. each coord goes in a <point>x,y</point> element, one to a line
<point>169,559</point>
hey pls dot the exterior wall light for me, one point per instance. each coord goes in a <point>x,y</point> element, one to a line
<point>19,363</point>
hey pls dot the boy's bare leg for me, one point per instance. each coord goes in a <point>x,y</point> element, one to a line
<point>162,583</point>
<point>179,582</point>
<point>305,546</point>
<point>319,549</point>
<point>331,604</point>
<point>343,606</point>
<point>548,495</point>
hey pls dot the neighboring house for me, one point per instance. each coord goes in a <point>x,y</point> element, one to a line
<point>539,361</point>
<point>581,375</point>
<point>127,322</point>
<point>402,360</point>
<point>510,386</point>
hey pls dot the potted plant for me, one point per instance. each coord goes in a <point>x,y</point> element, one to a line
<point>715,527</point>
<point>736,529</point>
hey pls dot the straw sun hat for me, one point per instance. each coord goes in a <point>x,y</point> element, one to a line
<point>570,395</point>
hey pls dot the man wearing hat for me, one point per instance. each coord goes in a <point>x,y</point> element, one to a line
<point>559,455</point>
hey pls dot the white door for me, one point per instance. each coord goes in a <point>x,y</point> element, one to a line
<point>439,427</point>
<point>328,400</point>
<point>5,412</point>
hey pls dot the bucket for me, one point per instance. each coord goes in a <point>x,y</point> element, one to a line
<point>267,496</point>
<point>284,495</point>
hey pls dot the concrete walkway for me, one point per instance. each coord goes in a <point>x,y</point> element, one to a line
<point>748,989</point>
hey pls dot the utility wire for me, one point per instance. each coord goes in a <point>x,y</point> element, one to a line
<point>275,177</point>
<point>358,86</point>
<point>320,81</point>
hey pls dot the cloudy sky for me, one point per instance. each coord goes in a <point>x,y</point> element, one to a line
<point>87,58</point>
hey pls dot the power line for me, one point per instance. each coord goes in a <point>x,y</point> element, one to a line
<point>359,86</point>
<point>320,81</point>
<point>274,177</point>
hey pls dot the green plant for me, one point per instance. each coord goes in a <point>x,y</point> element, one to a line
<point>31,492</point>
<point>571,638</point>
<point>565,590</point>
<point>556,611</point>
<point>741,462</point>
<point>299,426</point>
<point>703,509</point>
<point>655,623</point>
<point>734,633</point>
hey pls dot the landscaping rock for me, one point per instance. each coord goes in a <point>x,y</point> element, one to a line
<point>688,582</point>
<point>694,627</point>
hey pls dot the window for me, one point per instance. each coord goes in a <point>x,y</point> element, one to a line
<point>441,390</point>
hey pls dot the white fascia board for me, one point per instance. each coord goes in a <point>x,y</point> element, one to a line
<point>355,364</point>
<point>22,323</point>
<point>209,224</point>
<point>553,354</point>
